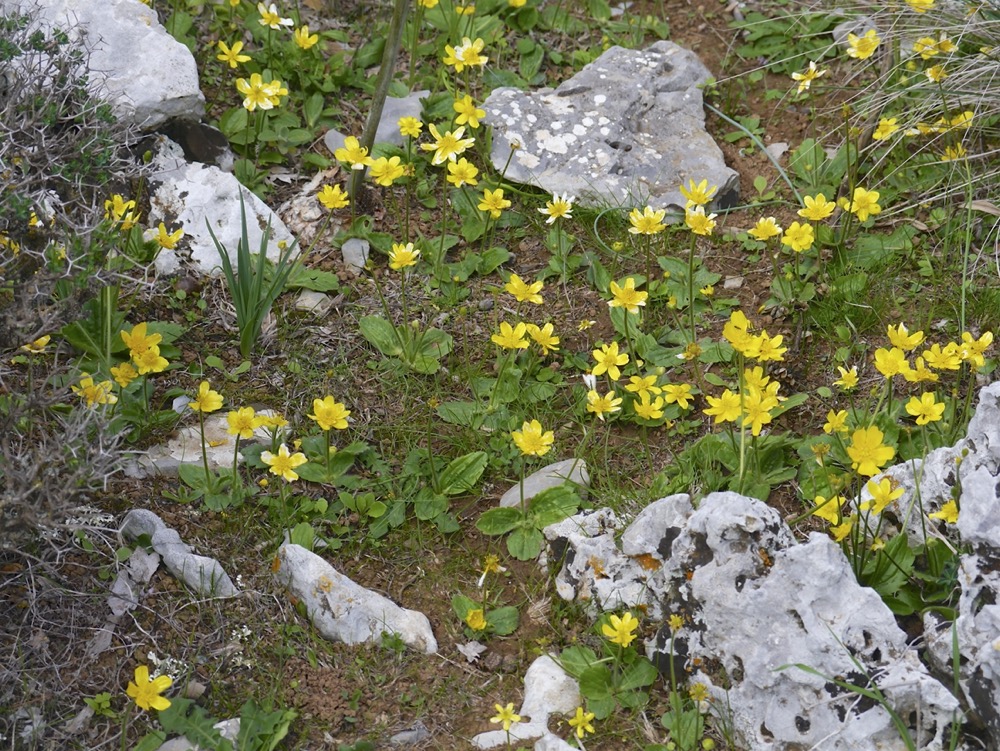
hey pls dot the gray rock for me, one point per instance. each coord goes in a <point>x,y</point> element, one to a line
<point>228,729</point>
<point>196,196</point>
<point>313,302</point>
<point>203,575</point>
<point>756,603</point>
<point>129,51</point>
<point>355,253</point>
<point>550,742</point>
<point>388,124</point>
<point>342,610</point>
<point>551,476</point>
<point>627,130</point>
<point>411,736</point>
<point>548,690</point>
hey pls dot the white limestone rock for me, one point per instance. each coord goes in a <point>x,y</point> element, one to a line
<point>135,65</point>
<point>196,196</point>
<point>355,252</point>
<point>551,476</point>
<point>548,690</point>
<point>200,573</point>
<point>342,610</point>
<point>627,130</point>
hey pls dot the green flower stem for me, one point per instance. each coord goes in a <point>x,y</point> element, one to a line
<point>690,280</point>
<point>204,452</point>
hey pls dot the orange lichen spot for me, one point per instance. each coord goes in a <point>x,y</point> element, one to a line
<point>648,561</point>
<point>275,564</point>
<point>765,557</point>
<point>597,566</point>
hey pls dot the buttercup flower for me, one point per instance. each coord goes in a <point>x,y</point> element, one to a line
<point>936,74</point>
<point>283,464</point>
<point>329,413</point>
<point>698,195</point>
<point>465,55</point>
<point>270,17</point>
<point>303,38</point>
<point>427,3</point>
<point>891,362</point>
<point>948,358</point>
<point>647,221</point>
<point>608,359</point>
<point>679,394</point>
<point>867,452</point>
<point>532,440</point>
<point>124,374</point>
<point>886,127</point>
<point>621,631</point>
<point>799,237</point>
<point>242,422</point>
<point>207,400</point>
<point>505,716</point>
<point>646,409</point>
<point>948,513</point>
<point>698,222</point>
<point>168,240</point>
<point>971,349</point>
<point>757,411</point>
<point>476,619</point>
<point>402,256</point>
<point>809,75</point>
<point>848,378</point>
<point>559,207</point>
<point>863,47</point>
<point>410,127</point>
<point>511,337</point>
<point>462,172</point>
<point>333,197</point>
<point>468,113</point>
<point>627,297</point>
<point>920,6</point>
<point>836,422</point>
<point>828,508</point>
<point>94,393</point>
<point>817,208</point>
<point>865,204</point>
<point>765,228</point>
<point>544,337</point>
<point>603,405</point>
<point>581,722</point>
<point>953,153</point>
<point>900,336</point>
<point>256,93</point>
<point>882,493</point>
<point>385,171</point>
<point>353,153</point>
<point>522,291</point>
<point>643,385</point>
<point>138,341</point>
<point>448,146</point>
<point>925,408</point>
<point>493,202</point>
<point>146,692</point>
<point>724,408</point>
<point>120,210</point>
<point>232,54</point>
<point>150,361</point>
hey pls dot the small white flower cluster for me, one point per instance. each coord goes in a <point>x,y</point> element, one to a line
<point>168,666</point>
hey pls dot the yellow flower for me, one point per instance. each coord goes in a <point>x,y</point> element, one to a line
<point>330,413</point>
<point>736,333</point>
<point>868,453</point>
<point>505,716</point>
<point>926,47</point>
<point>124,374</point>
<point>886,127</point>
<point>270,17</point>
<point>410,127</point>
<point>333,197</point>
<point>698,222</point>
<point>608,359</point>
<point>242,422</point>
<point>465,10</point>
<point>493,202</point>
<point>806,78</point>
<point>385,171</point>
<point>207,400</point>
<point>647,221</point>
<point>303,38</point>
<point>925,408</point>
<point>138,341</point>
<point>94,393</point>
<point>648,410</point>
<point>511,337</point>
<point>768,348</point>
<point>953,153</point>
<point>848,378</point>
<point>581,721</point>
<point>836,422</point>
<point>863,47</point>
<point>468,113</point>
<point>559,207</point>
<point>842,530</point>
<point>621,631</point>
<point>948,513</point>
<point>627,297</point>
<point>232,54</point>
<point>603,405</point>
<point>919,373</point>
<point>37,346</point>
<point>817,208</point>
<point>146,692</point>
<point>698,195</point>
<point>920,6</point>
<point>882,494</point>
<point>427,3</point>
<point>476,619</point>
<point>828,509</point>
<point>166,239</point>
<point>256,93</point>
<point>353,153</point>
<point>971,350</point>
<point>448,146</point>
<point>865,204</point>
<point>462,172</point>
<point>120,210</point>
<point>522,3</point>
<point>643,385</point>
<point>532,440</point>
<point>465,55</point>
<point>522,291</point>
<point>401,256</point>
<point>900,336</point>
<point>283,464</point>
<point>799,237</point>
<point>936,73</point>
<point>150,361</point>
<point>949,358</point>
<point>765,229</point>
<point>725,408</point>
<point>675,622</point>
<point>891,362</point>
<point>679,394</point>
<point>757,411</point>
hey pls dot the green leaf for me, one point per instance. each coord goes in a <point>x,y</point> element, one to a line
<point>314,279</point>
<point>303,534</point>
<point>459,413</point>
<point>462,474</point>
<point>429,504</point>
<point>261,730</point>
<point>596,682</point>
<point>462,606</point>
<point>638,674</point>
<point>491,260</point>
<point>193,475</point>
<point>499,521</point>
<point>576,659</point>
<point>525,543</point>
<point>553,505</point>
<point>184,717</point>
<point>503,620</point>
<point>381,334</point>
<point>151,741</point>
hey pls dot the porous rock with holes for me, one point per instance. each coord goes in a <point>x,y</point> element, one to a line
<point>627,130</point>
